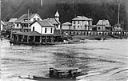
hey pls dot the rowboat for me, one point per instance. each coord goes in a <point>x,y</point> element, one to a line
<point>58,74</point>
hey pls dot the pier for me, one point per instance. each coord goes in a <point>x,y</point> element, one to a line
<point>92,34</point>
<point>34,38</point>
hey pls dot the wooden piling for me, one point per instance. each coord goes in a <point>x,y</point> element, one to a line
<point>33,38</point>
<point>40,39</point>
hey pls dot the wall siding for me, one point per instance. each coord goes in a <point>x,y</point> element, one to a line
<point>41,30</point>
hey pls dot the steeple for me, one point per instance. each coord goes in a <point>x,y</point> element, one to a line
<point>57,15</point>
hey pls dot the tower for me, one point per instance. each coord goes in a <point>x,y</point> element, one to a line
<point>57,16</point>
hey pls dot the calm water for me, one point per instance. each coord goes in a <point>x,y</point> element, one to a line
<point>102,60</point>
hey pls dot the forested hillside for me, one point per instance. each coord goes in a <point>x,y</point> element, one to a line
<point>96,9</point>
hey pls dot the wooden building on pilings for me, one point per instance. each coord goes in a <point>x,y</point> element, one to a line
<point>35,38</point>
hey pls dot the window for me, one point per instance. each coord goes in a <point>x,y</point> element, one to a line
<point>33,28</point>
<point>45,30</point>
<point>56,26</point>
<point>74,26</point>
<point>99,28</point>
<point>38,19</point>
<point>17,25</point>
<point>73,22</point>
<point>51,30</point>
<point>34,19</point>
<point>78,22</point>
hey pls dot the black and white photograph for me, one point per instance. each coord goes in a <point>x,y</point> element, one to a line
<point>64,40</point>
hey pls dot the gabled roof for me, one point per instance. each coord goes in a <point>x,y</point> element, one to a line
<point>117,25</point>
<point>12,20</point>
<point>25,16</point>
<point>52,20</point>
<point>44,23</point>
<point>66,23</point>
<point>103,22</point>
<point>3,23</point>
<point>81,18</point>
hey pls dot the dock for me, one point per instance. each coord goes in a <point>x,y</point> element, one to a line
<point>34,38</point>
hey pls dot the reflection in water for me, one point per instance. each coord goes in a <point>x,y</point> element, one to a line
<point>99,60</point>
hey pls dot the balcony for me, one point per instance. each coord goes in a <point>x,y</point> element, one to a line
<point>26,27</point>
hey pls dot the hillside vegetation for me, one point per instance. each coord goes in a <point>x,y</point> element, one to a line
<point>67,10</point>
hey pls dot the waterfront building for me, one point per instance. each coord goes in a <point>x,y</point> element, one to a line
<point>102,25</point>
<point>42,32</point>
<point>66,26</point>
<point>34,30</point>
<point>43,27</point>
<point>81,23</point>
<point>23,22</point>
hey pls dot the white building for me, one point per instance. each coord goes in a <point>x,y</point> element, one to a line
<point>2,25</point>
<point>43,27</point>
<point>66,26</point>
<point>103,25</point>
<point>81,23</point>
<point>23,23</point>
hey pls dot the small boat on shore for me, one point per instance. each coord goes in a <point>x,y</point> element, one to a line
<point>58,74</point>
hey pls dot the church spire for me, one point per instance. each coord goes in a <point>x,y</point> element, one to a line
<point>57,15</point>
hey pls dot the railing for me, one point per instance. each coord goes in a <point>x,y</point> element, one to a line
<point>93,33</point>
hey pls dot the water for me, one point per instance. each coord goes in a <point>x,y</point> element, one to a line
<point>102,60</point>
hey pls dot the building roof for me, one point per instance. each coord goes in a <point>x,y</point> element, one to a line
<point>82,18</point>
<point>33,33</point>
<point>117,25</point>
<point>67,23</point>
<point>2,22</point>
<point>45,23</point>
<point>103,23</point>
<point>25,16</point>
<point>12,20</point>
<point>53,20</point>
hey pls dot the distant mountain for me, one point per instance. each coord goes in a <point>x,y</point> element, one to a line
<point>96,9</point>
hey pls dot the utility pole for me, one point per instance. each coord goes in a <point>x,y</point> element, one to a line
<point>32,1</point>
<point>118,22</point>
<point>28,18</point>
<point>74,4</point>
<point>0,17</point>
<point>41,3</point>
